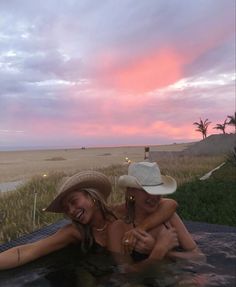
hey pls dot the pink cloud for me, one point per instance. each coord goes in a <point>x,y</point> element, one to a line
<point>157,66</point>
<point>150,72</point>
<point>146,72</point>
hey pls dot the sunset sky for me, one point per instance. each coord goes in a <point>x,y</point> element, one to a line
<point>110,73</point>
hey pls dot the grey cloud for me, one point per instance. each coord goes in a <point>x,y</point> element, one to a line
<point>18,83</point>
<point>220,59</point>
<point>46,63</point>
<point>130,28</point>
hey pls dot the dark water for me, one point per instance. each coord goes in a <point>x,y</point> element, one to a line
<point>69,268</point>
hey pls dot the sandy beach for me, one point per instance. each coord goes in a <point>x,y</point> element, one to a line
<point>21,165</point>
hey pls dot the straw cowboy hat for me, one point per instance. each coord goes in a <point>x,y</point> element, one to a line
<point>147,176</point>
<point>84,179</point>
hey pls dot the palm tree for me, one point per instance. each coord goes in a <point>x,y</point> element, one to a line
<point>232,121</point>
<point>221,126</point>
<point>202,127</point>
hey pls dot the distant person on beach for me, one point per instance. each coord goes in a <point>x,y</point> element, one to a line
<point>82,198</point>
<point>144,185</point>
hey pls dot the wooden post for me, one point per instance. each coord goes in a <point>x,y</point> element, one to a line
<point>146,152</point>
<point>34,208</point>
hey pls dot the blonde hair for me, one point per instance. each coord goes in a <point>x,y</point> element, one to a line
<point>85,229</point>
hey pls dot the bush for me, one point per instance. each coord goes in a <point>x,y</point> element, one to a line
<point>212,200</point>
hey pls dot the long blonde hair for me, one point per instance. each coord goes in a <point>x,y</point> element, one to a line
<point>85,229</point>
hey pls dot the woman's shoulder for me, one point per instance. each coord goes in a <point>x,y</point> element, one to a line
<point>118,224</point>
<point>70,230</point>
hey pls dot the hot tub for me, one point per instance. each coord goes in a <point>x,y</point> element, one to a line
<point>70,267</point>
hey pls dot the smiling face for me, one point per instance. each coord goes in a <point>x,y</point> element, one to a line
<point>79,206</point>
<point>144,202</point>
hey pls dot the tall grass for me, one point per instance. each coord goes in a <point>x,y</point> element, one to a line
<point>16,207</point>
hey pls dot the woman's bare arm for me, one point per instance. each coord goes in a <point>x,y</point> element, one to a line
<point>164,212</point>
<point>23,254</point>
<point>186,242</point>
<point>185,238</point>
<point>165,241</point>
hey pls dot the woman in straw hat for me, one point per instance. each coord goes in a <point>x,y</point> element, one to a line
<point>82,198</point>
<point>144,186</point>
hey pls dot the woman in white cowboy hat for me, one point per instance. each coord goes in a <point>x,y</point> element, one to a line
<point>144,186</point>
<point>82,198</point>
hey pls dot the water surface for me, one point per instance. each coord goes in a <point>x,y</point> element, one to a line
<point>70,267</point>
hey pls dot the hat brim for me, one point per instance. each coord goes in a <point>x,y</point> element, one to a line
<point>94,180</point>
<point>168,186</point>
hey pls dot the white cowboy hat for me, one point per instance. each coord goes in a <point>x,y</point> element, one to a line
<point>84,179</point>
<point>147,176</point>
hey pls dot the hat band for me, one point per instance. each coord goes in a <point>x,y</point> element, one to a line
<point>153,184</point>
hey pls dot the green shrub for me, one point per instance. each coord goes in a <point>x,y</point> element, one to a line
<point>212,200</point>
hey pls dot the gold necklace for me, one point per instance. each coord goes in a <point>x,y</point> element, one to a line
<point>101,229</point>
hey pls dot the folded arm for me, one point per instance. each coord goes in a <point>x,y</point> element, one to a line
<point>166,240</point>
<point>164,212</point>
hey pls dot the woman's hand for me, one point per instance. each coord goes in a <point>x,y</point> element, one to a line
<point>145,241</point>
<point>129,240</point>
<point>166,240</point>
<point>139,240</point>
